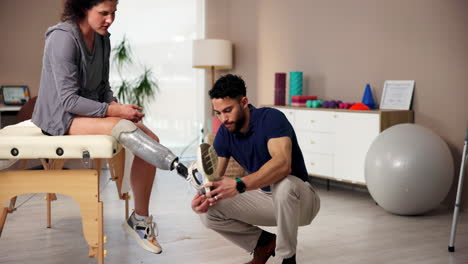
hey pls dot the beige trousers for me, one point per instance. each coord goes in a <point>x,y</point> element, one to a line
<point>291,203</point>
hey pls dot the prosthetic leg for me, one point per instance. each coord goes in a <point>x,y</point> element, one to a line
<point>143,146</point>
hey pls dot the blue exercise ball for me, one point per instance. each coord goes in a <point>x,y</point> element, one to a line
<point>408,169</point>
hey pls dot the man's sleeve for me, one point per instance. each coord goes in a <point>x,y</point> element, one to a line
<point>276,125</point>
<point>220,143</point>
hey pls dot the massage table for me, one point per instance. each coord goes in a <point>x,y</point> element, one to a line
<point>25,141</point>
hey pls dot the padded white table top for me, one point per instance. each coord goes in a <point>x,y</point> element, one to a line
<point>28,142</point>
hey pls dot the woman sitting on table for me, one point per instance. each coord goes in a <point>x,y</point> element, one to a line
<point>75,99</point>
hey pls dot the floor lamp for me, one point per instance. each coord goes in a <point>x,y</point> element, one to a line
<point>212,54</point>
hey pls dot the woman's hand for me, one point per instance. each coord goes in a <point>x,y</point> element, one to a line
<point>125,111</point>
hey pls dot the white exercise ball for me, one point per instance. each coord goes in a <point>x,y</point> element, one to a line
<point>408,170</point>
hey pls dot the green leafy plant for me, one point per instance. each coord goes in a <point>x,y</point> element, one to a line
<point>139,90</point>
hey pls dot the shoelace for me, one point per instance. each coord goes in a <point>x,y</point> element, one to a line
<point>150,227</point>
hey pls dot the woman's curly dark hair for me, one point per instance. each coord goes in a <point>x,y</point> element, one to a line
<point>229,85</point>
<point>75,10</point>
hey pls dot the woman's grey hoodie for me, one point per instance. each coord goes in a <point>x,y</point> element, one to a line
<point>62,92</point>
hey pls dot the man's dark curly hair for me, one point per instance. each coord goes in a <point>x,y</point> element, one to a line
<point>75,10</point>
<point>229,85</point>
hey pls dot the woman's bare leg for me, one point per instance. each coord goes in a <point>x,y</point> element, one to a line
<point>142,173</point>
<point>142,178</point>
<point>93,125</point>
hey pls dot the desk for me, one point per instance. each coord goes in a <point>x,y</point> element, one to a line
<point>10,110</point>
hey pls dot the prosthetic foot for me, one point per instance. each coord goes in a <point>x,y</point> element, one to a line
<point>195,178</point>
<point>205,169</point>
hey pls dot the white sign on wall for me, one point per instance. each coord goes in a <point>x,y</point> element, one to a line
<point>397,94</point>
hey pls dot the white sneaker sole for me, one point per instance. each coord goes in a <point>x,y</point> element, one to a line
<point>142,242</point>
<point>207,163</point>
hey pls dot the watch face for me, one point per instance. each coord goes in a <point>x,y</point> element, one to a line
<point>240,185</point>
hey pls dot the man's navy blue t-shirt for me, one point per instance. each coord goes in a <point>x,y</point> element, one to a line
<point>250,150</point>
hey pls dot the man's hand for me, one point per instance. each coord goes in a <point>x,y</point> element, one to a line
<point>200,203</point>
<point>126,111</point>
<point>223,189</point>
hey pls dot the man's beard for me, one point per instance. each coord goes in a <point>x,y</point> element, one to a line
<point>239,123</point>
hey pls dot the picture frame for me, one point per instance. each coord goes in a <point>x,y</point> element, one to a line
<point>397,94</point>
<point>15,94</point>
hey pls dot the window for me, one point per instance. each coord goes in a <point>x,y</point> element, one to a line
<point>160,34</point>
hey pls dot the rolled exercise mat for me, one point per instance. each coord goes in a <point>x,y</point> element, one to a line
<point>295,85</point>
<point>280,88</point>
<point>300,100</point>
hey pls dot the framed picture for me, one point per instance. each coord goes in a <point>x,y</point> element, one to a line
<point>15,94</point>
<point>397,94</point>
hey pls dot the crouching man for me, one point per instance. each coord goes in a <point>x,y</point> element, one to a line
<point>276,190</point>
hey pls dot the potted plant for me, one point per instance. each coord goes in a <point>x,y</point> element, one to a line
<point>138,90</point>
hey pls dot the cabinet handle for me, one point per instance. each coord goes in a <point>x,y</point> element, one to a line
<point>312,142</point>
<point>312,163</point>
<point>312,121</point>
<point>335,116</point>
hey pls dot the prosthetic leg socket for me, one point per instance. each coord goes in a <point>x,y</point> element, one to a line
<point>143,146</point>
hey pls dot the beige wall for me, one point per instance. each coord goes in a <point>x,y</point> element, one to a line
<point>22,27</point>
<point>342,45</point>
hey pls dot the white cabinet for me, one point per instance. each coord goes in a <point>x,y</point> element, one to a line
<point>334,142</point>
<point>354,133</point>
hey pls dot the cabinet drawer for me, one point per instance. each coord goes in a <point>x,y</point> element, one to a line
<point>316,142</point>
<point>318,121</point>
<point>319,164</point>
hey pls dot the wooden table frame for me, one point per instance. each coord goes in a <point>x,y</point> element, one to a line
<point>81,185</point>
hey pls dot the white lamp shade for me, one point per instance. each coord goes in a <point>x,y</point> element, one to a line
<point>209,53</point>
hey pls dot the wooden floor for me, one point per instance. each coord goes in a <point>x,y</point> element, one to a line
<point>350,228</point>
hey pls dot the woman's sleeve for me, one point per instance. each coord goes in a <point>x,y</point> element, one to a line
<point>64,59</point>
<point>108,94</point>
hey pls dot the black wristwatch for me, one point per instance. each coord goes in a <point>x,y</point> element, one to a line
<point>240,185</point>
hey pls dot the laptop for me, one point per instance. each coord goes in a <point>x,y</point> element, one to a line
<point>15,94</point>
